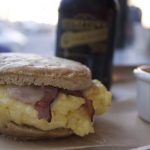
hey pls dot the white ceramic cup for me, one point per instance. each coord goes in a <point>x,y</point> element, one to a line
<point>142,75</point>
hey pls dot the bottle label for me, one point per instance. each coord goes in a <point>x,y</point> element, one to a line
<point>70,39</point>
<point>84,30</point>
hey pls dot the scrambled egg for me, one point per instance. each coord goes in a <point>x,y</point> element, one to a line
<point>67,110</point>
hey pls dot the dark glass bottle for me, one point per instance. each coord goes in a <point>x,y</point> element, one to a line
<point>85,33</point>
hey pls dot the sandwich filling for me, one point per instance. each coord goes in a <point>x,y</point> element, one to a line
<point>47,108</point>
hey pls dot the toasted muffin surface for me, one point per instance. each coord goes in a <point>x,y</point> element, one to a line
<point>29,133</point>
<point>29,69</point>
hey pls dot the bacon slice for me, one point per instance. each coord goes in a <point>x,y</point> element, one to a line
<point>26,94</point>
<point>44,105</point>
<point>89,108</point>
<point>74,93</point>
<point>42,97</point>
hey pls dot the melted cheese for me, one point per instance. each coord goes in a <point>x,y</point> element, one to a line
<point>67,110</point>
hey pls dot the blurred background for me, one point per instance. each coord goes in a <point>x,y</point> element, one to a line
<point>30,26</point>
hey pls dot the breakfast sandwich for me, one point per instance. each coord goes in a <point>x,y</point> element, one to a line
<point>48,97</point>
